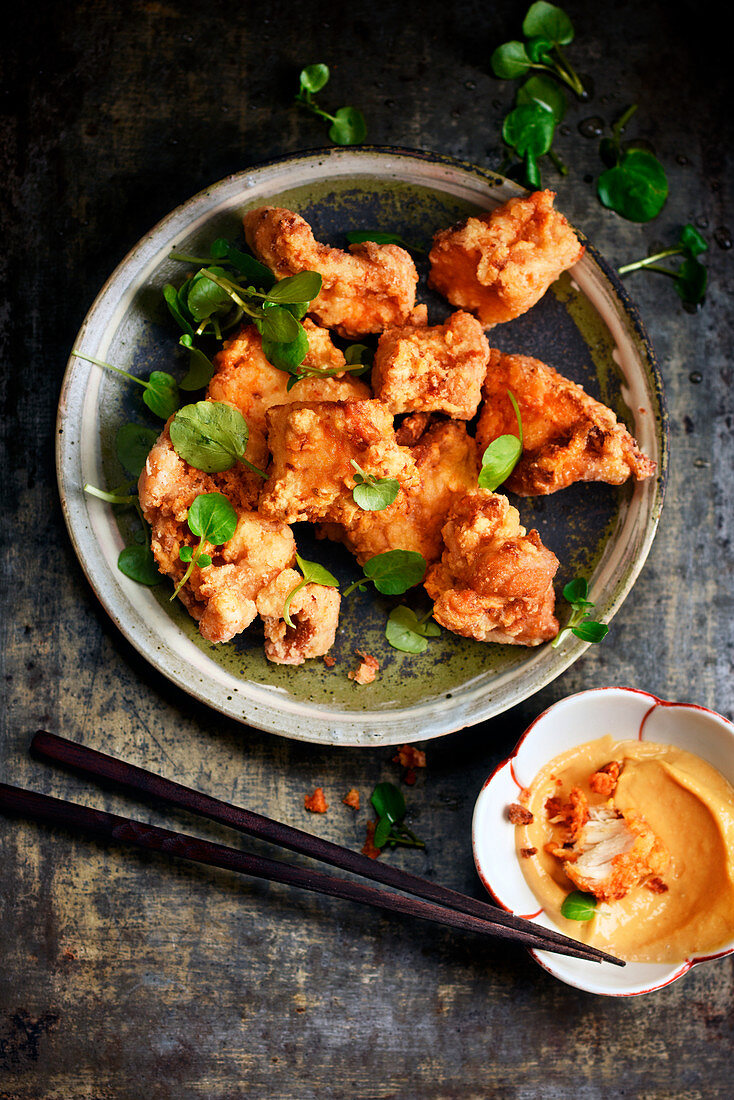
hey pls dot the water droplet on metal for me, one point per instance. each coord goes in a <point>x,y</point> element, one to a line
<point>565,130</point>
<point>681,159</point>
<point>591,127</point>
<point>470,84</point>
<point>702,222</point>
<point>701,463</point>
<point>695,376</point>
<point>722,236</point>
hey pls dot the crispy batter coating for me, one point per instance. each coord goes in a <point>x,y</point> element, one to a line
<point>366,670</point>
<point>313,443</point>
<point>604,781</point>
<point>351,798</point>
<point>613,853</point>
<point>316,802</point>
<point>501,264</point>
<point>494,582</point>
<point>364,290</point>
<point>437,368</point>
<point>221,596</point>
<point>244,378</point>
<point>446,459</point>
<point>314,610</point>
<point>567,435</point>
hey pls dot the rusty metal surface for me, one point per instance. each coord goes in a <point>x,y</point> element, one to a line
<point>123,975</point>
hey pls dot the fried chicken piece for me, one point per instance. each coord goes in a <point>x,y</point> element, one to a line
<point>313,444</point>
<point>500,264</point>
<point>364,290</point>
<point>244,378</point>
<point>494,582</point>
<point>367,669</point>
<point>432,369</point>
<point>446,460</point>
<point>567,435</point>
<point>613,853</point>
<point>221,596</point>
<point>604,781</point>
<point>314,611</point>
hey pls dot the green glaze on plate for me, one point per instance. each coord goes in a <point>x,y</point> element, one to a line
<point>587,327</point>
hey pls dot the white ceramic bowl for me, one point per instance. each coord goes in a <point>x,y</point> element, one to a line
<point>628,714</point>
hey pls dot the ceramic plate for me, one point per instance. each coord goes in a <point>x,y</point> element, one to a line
<point>585,325</point>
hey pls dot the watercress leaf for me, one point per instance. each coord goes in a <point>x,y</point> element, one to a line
<point>348,127</point>
<point>298,309</point>
<point>255,273</point>
<point>692,241</point>
<point>212,517</point>
<point>395,571</point>
<point>303,287</point>
<point>498,461</point>
<point>209,435</point>
<point>590,631</point>
<point>204,297</point>
<point>202,560</point>
<point>375,495</point>
<point>382,832</point>
<point>200,369</point>
<point>219,249</point>
<point>138,563</point>
<point>548,21</point>
<point>358,353</point>
<point>186,553</point>
<point>314,77</point>
<point>533,178</point>
<point>691,281</point>
<point>315,573</point>
<point>287,356</point>
<point>510,61</point>
<point>177,309</point>
<point>388,801</point>
<point>529,129</point>
<point>576,590</point>
<point>538,49</point>
<point>578,906</point>
<point>406,632</point>
<point>161,394</point>
<point>358,236</point>
<point>133,443</point>
<point>545,91</point>
<point>636,187</point>
<point>278,325</point>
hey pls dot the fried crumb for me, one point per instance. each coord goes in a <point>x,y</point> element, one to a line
<point>572,814</point>
<point>656,884</point>
<point>410,757</point>
<point>329,661</point>
<point>351,798</point>
<point>604,781</point>
<point>368,849</point>
<point>526,853</point>
<point>316,802</point>
<point>366,670</point>
<point>519,815</point>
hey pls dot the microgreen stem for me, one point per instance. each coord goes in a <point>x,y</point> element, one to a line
<point>568,73</point>
<point>360,584</point>
<point>184,258</point>
<point>621,123</point>
<point>190,568</point>
<point>650,262</point>
<point>561,167</point>
<point>111,498</point>
<point>109,366</point>
<point>255,469</point>
<point>286,614</point>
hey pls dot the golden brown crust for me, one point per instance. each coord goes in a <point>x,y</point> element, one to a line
<point>494,582</point>
<point>364,290</point>
<point>316,803</point>
<point>432,369</point>
<point>567,435</point>
<point>243,377</point>
<point>314,611</point>
<point>499,265</point>
<point>366,670</point>
<point>313,443</point>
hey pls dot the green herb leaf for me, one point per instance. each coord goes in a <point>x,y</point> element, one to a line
<point>590,631</point>
<point>548,21</point>
<point>209,435</point>
<point>691,241</point>
<point>313,573</point>
<point>389,803</point>
<point>313,78</point>
<point>691,281</point>
<point>406,632</point>
<point>538,50</point>
<point>200,367</point>
<point>636,187</point>
<point>138,563</point>
<point>161,394</point>
<point>510,61</point>
<point>358,355</point>
<point>544,91</point>
<point>373,494</point>
<point>529,129</point>
<point>255,273</point>
<point>278,325</point>
<point>204,297</point>
<point>287,356</point>
<point>171,296</point>
<point>395,571</point>
<point>576,590</point>
<point>303,287</point>
<point>578,906</point>
<point>349,127</point>
<point>502,455</point>
<point>212,517</point>
<point>382,832</point>
<point>133,443</point>
<point>186,553</point>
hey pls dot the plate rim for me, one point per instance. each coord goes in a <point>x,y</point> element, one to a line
<point>457,716</point>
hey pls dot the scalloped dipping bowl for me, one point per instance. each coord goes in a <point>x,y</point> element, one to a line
<point>628,714</point>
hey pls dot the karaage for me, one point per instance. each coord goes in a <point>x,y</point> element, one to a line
<point>314,611</point>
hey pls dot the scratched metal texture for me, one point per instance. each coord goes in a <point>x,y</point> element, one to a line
<point>122,976</point>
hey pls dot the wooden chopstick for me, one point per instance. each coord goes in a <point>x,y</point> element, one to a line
<point>106,826</point>
<point>101,766</point>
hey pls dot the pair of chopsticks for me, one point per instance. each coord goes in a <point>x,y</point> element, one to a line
<point>428,901</point>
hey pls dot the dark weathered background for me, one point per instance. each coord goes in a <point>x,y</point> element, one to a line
<point>122,976</point>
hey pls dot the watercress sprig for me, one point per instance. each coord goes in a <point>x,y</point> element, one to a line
<point>392,573</point>
<point>578,906</point>
<point>136,561</point>
<point>213,519</point>
<point>547,28</point>
<point>690,277</point>
<point>581,624</point>
<point>348,126</point>
<point>160,391</point>
<point>313,573</point>
<point>406,632</point>
<point>391,829</point>
<point>502,455</point>
<point>211,436</point>
<point>634,184</point>
<point>373,494</point>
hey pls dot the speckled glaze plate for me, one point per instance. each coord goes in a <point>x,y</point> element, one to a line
<point>586,326</point>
